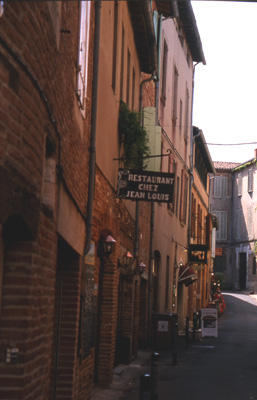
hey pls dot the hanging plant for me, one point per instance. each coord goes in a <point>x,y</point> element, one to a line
<point>133,139</point>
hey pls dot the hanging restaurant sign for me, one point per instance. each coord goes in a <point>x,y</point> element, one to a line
<point>145,185</point>
<point>197,253</point>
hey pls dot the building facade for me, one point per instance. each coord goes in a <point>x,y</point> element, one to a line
<point>233,202</point>
<point>202,225</point>
<point>72,306</point>
<point>180,49</point>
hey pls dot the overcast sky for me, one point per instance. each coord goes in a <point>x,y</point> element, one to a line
<point>225,96</point>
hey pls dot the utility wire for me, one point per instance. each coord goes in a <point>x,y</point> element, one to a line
<point>228,144</point>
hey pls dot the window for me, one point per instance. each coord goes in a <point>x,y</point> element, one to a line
<point>239,185</point>
<point>186,115</point>
<point>250,180</point>
<point>220,187</point>
<point>222,225</point>
<point>175,94</point>
<point>177,196</point>
<point>193,217</point>
<point>164,72</point>
<point>183,196</point>
<point>185,199</point>
<point>133,89</point>
<point>199,224</point>
<point>82,67</point>
<point>180,116</point>
<point>122,63</point>
<point>128,77</point>
<point>114,51</point>
<point>250,222</point>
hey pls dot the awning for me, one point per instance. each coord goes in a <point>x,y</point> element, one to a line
<point>187,275</point>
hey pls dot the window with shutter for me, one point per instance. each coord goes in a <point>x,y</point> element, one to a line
<point>175,94</point>
<point>239,185</point>
<point>250,180</point>
<point>250,223</point>
<point>220,187</point>
<point>217,187</point>
<point>222,224</point>
<point>82,66</point>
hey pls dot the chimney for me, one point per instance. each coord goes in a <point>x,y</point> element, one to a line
<point>255,153</point>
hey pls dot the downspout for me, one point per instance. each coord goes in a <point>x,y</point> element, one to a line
<point>92,148</point>
<point>191,161</point>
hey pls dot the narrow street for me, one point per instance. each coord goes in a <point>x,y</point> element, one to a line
<point>224,368</point>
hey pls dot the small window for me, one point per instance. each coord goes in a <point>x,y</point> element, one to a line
<point>250,180</point>
<point>175,94</point>
<point>164,72</point>
<point>222,217</point>
<point>220,187</point>
<point>82,66</point>
<point>239,185</point>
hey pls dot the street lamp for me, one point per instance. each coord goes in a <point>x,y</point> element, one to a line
<point>127,259</point>
<point>108,245</point>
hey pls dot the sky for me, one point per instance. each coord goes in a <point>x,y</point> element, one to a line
<point>225,92</point>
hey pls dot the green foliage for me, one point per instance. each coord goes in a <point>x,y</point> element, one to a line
<point>133,138</point>
<point>243,166</point>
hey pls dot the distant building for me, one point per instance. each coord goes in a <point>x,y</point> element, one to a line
<point>233,201</point>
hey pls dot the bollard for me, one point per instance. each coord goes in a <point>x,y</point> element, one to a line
<point>145,387</point>
<point>175,344</point>
<point>187,332</point>
<point>154,376</point>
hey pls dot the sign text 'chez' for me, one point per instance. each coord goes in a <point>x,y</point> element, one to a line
<point>145,185</point>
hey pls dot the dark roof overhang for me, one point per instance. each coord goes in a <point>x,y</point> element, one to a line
<point>168,8</point>
<point>200,142</point>
<point>187,17</point>
<point>142,22</point>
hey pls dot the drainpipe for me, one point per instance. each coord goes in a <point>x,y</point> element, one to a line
<point>92,148</point>
<point>191,160</point>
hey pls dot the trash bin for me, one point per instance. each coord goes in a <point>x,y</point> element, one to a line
<point>163,331</point>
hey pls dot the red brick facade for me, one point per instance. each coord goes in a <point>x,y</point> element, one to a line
<point>45,349</point>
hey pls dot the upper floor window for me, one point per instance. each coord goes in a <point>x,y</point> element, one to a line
<point>164,71</point>
<point>180,116</point>
<point>82,67</point>
<point>114,50</point>
<point>222,217</point>
<point>239,185</point>
<point>186,115</point>
<point>250,180</point>
<point>175,94</point>
<point>220,187</point>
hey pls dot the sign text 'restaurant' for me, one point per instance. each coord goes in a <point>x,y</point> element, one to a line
<point>145,185</point>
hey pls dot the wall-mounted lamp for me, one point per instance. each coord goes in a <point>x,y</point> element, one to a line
<point>108,245</point>
<point>141,268</point>
<point>127,259</point>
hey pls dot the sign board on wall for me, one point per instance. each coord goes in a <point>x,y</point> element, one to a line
<point>218,251</point>
<point>197,253</point>
<point>145,185</point>
<point>209,322</point>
